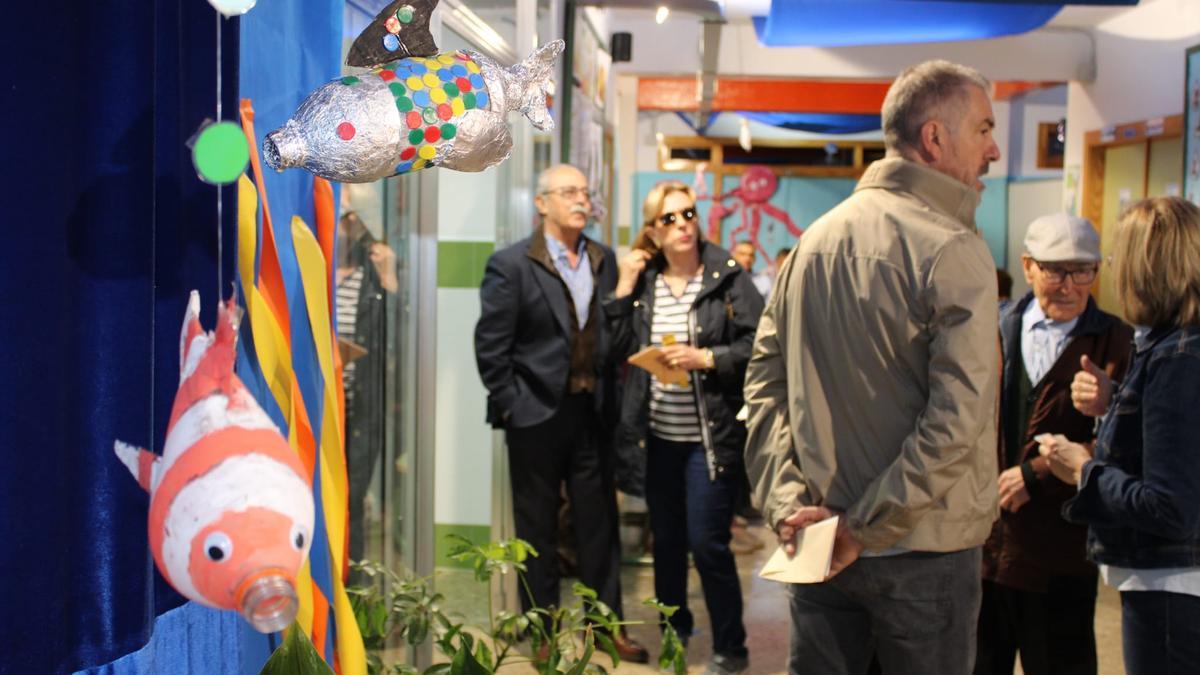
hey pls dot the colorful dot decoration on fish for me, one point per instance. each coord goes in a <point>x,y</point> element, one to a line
<point>445,110</point>
<point>401,29</point>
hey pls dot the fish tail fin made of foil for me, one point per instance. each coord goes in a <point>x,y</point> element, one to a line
<point>537,72</point>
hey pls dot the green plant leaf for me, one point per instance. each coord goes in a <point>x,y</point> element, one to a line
<point>581,665</point>
<point>296,656</point>
<point>666,610</point>
<point>609,648</point>
<point>483,654</point>
<point>438,669</point>
<point>464,663</point>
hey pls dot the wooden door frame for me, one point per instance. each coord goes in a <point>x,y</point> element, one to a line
<point>1094,146</point>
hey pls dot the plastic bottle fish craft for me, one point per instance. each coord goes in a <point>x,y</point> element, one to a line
<point>231,505</point>
<point>448,110</point>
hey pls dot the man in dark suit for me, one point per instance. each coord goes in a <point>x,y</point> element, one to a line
<point>542,348</point>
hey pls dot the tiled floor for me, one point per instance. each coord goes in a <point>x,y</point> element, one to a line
<point>766,616</point>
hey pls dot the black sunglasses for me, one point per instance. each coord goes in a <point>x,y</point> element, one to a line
<point>669,219</point>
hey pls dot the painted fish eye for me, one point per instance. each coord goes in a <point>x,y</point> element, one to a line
<point>218,546</point>
<point>299,536</point>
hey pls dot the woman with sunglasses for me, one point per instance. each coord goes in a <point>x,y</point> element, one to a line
<point>1140,493</point>
<point>681,445</point>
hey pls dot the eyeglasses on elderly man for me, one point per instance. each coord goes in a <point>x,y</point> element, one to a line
<point>1081,275</point>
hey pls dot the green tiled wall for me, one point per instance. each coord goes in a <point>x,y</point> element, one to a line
<point>461,263</point>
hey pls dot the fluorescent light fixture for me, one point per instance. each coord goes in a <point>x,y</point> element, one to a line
<point>662,14</point>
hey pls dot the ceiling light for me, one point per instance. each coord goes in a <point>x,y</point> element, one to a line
<point>662,14</point>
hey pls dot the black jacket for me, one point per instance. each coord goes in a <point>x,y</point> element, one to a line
<point>724,319</point>
<point>522,340</point>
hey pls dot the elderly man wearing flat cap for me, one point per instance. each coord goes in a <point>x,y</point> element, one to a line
<point>1039,591</point>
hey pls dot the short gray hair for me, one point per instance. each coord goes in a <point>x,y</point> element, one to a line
<point>543,179</point>
<point>917,96</point>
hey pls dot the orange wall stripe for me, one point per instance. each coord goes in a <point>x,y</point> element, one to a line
<point>764,95</point>
<point>809,96</point>
<point>1005,90</point>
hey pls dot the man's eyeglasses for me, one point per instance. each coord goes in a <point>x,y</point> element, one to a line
<point>570,192</point>
<point>669,219</point>
<point>1080,276</point>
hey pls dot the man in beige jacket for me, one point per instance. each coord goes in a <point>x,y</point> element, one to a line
<point>872,392</point>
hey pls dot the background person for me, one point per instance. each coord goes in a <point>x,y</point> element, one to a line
<point>366,274</point>
<point>1039,590</point>
<point>542,348</point>
<point>680,445</point>
<point>1140,493</point>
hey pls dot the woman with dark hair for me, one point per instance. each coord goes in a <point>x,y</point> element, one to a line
<point>681,444</point>
<point>1139,492</point>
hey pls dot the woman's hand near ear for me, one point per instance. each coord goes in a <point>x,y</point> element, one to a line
<point>630,268</point>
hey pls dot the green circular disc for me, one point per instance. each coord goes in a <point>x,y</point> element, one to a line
<point>451,89</point>
<point>405,14</point>
<point>349,80</point>
<point>448,131</point>
<point>397,89</point>
<point>220,153</point>
<point>429,115</point>
<point>469,100</point>
<point>404,103</point>
<point>416,136</point>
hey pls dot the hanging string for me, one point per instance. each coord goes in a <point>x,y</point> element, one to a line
<point>220,219</point>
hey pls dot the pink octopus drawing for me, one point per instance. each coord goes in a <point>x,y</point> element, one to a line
<point>752,197</point>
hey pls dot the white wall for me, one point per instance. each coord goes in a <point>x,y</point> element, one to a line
<point>1027,111</point>
<point>463,475</point>
<point>1139,70</point>
<point>1028,199</point>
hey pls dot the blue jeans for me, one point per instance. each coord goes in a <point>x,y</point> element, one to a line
<point>690,513</point>
<point>916,612</point>
<point>1160,632</point>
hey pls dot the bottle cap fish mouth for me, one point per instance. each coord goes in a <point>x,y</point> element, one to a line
<point>282,149</point>
<point>268,601</point>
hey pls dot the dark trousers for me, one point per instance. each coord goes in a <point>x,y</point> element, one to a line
<point>1160,632</point>
<point>916,612</point>
<point>1053,631</point>
<point>569,447</point>
<point>690,513</point>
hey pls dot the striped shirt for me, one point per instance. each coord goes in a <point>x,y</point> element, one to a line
<point>673,415</point>
<point>346,304</point>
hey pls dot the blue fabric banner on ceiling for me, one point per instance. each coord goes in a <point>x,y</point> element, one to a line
<point>843,23</point>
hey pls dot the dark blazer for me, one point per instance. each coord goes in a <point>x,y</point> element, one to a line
<point>1029,547</point>
<point>726,311</point>
<point>522,340</point>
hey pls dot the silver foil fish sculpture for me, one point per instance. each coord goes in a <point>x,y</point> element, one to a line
<point>448,110</point>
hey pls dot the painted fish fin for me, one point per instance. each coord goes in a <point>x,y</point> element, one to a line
<point>399,31</point>
<point>143,464</point>
<point>537,71</point>
<point>224,348</point>
<point>191,328</point>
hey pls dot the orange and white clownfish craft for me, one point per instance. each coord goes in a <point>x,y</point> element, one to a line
<point>415,109</point>
<point>231,505</point>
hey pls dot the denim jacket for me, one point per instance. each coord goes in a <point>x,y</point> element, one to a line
<point>1140,495</point>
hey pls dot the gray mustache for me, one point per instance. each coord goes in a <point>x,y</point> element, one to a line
<point>580,208</point>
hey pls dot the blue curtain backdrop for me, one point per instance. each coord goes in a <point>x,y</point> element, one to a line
<point>107,229</point>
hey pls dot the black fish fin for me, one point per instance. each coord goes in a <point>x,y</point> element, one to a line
<point>412,39</point>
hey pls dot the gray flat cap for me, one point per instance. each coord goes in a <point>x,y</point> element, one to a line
<point>1062,238</point>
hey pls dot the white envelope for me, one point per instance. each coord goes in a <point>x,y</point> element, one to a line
<point>814,554</point>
